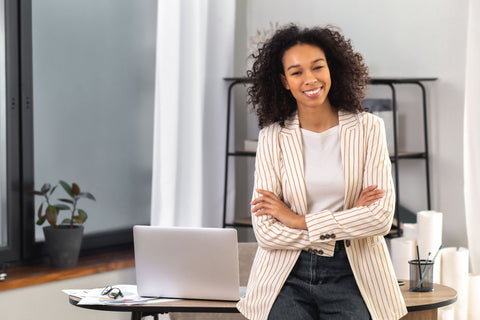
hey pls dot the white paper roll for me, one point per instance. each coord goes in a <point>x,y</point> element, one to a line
<point>402,250</point>
<point>446,313</point>
<point>429,237</point>
<point>410,231</point>
<point>474,297</point>
<point>455,275</point>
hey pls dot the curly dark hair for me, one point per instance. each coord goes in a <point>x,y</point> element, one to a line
<point>273,103</point>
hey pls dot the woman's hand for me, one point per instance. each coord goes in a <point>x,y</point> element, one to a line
<point>369,195</point>
<point>269,204</point>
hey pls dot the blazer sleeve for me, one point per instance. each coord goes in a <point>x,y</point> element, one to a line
<point>271,233</point>
<point>372,220</point>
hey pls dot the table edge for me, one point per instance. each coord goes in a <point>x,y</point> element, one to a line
<point>145,308</point>
<point>434,305</point>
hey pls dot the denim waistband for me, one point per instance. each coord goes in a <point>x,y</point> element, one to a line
<point>339,245</point>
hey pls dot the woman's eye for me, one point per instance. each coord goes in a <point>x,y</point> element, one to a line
<point>296,73</point>
<point>318,67</point>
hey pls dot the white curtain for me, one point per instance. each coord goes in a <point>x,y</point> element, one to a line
<point>195,41</point>
<point>472,135</point>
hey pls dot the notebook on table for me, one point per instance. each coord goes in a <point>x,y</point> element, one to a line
<point>187,263</point>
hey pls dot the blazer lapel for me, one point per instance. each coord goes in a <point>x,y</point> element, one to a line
<point>352,145</point>
<point>293,176</point>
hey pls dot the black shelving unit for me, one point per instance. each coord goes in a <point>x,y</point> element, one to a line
<point>395,157</point>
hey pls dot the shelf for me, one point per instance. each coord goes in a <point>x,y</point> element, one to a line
<point>372,80</point>
<point>241,222</point>
<point>244,221</point>
<point>401,155</point>
<point>395,156</point>
<point>399,80</point>
<point>242,153</point>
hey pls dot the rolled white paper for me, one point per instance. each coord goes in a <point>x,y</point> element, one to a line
<point>410,231</point>
<point>429,237</point>
<point>402,250</point>
<point>446,313</point>
<point>474,297</point>
<point>455,275</point>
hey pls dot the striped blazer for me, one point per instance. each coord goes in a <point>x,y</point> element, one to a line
<point>279,169</point>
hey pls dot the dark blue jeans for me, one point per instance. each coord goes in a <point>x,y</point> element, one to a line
<point>320,288</point>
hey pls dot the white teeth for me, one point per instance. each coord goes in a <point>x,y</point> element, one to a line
<point>313,91</point>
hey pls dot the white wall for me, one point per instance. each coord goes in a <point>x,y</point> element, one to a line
<point>47,301</point>
<point>404,39</point>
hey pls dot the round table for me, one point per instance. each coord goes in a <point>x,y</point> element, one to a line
<point>424,305</point>
<point>420,305</point>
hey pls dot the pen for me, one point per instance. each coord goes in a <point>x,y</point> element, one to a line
<point>430,265</point>
<point>419,266</point>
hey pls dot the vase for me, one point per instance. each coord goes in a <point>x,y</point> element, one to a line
<point>63,245</point>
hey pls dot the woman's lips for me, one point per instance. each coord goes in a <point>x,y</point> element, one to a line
<point>313,93</point>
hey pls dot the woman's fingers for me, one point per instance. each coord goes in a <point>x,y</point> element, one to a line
<point>266,203</point>
<point>369,195</point>
<point>265,197</point>
<point>374,194</point>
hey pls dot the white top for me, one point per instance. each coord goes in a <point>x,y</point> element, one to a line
<point>324,176</point>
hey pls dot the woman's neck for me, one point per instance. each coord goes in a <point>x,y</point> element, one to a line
<point>318,119</point>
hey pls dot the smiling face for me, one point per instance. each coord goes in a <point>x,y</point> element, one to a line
<point>307,76</point>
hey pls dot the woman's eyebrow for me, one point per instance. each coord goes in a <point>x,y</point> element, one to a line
<point>319,59</point>
<point>297,65</point>
<point>293,66</point>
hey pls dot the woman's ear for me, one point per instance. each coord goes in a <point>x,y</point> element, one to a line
<point>284,82</point>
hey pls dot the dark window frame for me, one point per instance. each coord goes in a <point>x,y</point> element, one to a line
<point>22,247</point>
<point>12,251</point>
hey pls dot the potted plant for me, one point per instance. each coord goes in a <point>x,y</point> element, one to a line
<point>63,241</point>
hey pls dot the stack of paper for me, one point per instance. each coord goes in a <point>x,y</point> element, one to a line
<point>95,297</point>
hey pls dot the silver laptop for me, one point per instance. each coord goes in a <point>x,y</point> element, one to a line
<point>188,263</point>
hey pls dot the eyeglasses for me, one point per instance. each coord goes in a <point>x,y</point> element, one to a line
<point>3,273</point>
<point>112,292</point>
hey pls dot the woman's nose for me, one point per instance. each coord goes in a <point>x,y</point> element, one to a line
<point>311,81</point>
<point>310,78</point>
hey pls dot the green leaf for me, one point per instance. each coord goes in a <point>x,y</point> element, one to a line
<point>87,195</point>
<point>52,214</point>
<point>67,188</point>
<point>75,189</point>
<point>66,200</point>
<point>65,221</point>
<point>41,220</point>
<point>53,189</point>
<point>45,188</point>
<point>77,219</point>
<point>82,215</point>
<point>40,211</point>
<point>90,196</point>
<point>60,206</point>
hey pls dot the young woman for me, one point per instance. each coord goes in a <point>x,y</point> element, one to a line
<point>324,195</point>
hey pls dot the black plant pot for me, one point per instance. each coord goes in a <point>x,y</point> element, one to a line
<point>63,245</point>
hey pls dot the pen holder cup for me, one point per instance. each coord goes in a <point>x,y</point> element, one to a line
<point>421,275</point>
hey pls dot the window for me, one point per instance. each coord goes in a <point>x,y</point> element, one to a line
<point>87,71</point>
<point>3,134</point>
